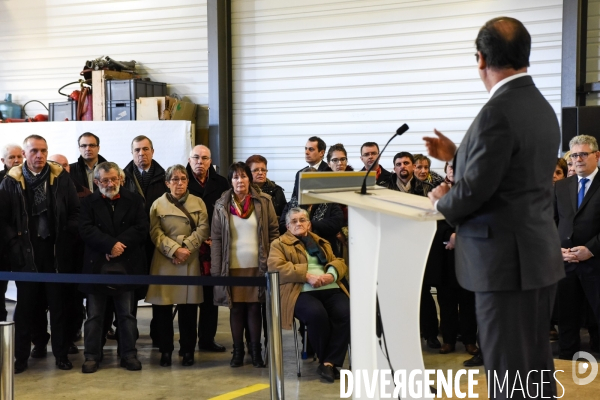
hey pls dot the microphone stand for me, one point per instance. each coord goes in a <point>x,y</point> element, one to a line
<point>399,131</point>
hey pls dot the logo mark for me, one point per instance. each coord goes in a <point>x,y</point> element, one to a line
<point>580,368</point>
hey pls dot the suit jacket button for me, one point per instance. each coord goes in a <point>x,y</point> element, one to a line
<point>29,250</point>
<point>568,237</point>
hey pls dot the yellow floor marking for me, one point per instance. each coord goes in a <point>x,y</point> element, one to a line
<point>241,392</point>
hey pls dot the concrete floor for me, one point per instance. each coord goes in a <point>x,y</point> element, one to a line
<point>211,375</point>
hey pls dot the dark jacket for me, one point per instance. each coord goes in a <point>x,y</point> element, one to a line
<point>417,187</point>
<point>213,189</point>
<point>384,176</point>
<point>322,167</point>
<point>156,188</point>
<point>579,226</point>
<point>506,238</point>
<point>277,196</point>
<point>79,173</point>
<point>3,173</point>
<point>14,219</point>
<point>100,232</point>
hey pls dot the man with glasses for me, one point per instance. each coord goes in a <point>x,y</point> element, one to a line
<point>82,171</point>
<point>39,211</point>
<point>577,211</point>
<point>205,183</point>
<point>507,246</point>
<point>113,226</point>
<point>369,152</point>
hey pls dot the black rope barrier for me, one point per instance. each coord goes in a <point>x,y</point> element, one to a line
<point>133,279</point>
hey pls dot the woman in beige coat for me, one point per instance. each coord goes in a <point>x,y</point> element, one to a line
<point>177,240</point>
<point>244,225</point>
<point>311,290</point>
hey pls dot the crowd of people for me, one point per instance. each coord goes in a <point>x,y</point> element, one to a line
<point>94,217</point>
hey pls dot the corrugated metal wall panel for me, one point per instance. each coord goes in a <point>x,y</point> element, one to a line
<point>593,50</point>
<point>45,43</point>
<point>353,71</point>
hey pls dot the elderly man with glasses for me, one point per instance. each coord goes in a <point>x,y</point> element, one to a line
<point>113,226</point>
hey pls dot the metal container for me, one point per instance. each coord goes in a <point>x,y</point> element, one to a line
<point>8,109</point>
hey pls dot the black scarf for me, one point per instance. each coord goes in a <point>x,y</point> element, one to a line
<point>39,199</point>
<point>313,249</point>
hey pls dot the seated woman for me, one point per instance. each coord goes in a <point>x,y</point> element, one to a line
<point>178,227</point>
<point>311,291</point>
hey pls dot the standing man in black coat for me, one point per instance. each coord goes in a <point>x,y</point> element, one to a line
<point>39,211</point>
<point>82,171</point>
<point>577,211</point>
<point>113,227</point>
<point>507,246</point>
<point>209,186</point>
<point>12,155</point>
<point>145,177</point>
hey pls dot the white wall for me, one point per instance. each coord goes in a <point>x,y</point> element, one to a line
<point>44,44</point>
<point>353,71</point>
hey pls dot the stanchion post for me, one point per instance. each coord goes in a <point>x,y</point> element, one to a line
<point>7,356</point>
<point>275,344</point>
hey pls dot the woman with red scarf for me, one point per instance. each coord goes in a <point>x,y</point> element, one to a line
<point>243,227</point>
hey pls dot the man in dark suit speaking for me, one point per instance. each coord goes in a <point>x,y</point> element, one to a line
<point>577,211</point>
<point>501,205</point>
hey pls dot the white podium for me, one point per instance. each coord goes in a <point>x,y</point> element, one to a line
<point>390,234</point>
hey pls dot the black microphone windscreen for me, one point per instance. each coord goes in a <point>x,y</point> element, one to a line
<point>401,130</point>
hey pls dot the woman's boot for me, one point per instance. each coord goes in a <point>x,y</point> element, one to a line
<point>238,355</point>
<point>255,353</point>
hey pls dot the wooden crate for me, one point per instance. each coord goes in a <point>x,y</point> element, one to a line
<point>98,90</point>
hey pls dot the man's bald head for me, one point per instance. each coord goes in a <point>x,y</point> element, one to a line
<point>504,43</point>
<point>196,150</point>
<point>60,159</point>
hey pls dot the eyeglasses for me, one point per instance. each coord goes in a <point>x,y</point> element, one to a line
<point>91,146</point>
<point>339,160</point>
<point>261,170</point>
<point>177,180</point>
<point>106,181</point>
<point>477,57</point>
<point>298,221</point>
<point>582,154</point>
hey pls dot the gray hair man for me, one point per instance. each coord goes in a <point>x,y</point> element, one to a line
<point>114,227</point>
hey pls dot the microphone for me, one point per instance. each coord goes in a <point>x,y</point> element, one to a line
<point>399,131</point>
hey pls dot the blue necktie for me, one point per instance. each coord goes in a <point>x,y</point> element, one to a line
<point>581,193</point>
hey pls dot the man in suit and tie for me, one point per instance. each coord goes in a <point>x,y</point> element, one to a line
<point>314,152</point>
<point>577,212</point>
<point>506,239</point>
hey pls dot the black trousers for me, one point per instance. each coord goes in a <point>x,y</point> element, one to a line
<point>326,314</point>
<point>428,314</point>
<point>187,315</point>
<point>513,335</point>
<point>3,312</point>
<point>75,310</point>
<point>209,317</point>
<point>457,313</point>
<point>574,291</point>
<point>28,317</point>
